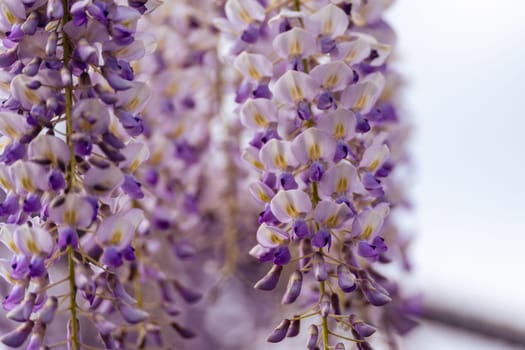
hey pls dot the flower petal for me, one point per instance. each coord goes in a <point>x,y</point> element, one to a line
<point>332,215</point>
<point>374,157</point>
<point>262,193</point>
<point>270,236</point>
<point>118,230</point>
<point>340,124</point>
<point>362,96</point>
<point>257,114</point>
<point>48,149</point>
<point>330,21</point>
<point>103,181</point>
<point>253,66</point>
<point>13,125</point>
<point>296,42</point>
<point>134,99</point>
<point>313,144</point>
<point>33,240</point>
<point>90,115</point>
<point>293,87</point>
<point>73,210</point>
<point>369,222</point>
<point>339,180</point>
<point>290,205</point>
<point>333,76</point>
<point>243,12</point>
<point>276,155</point>
<point>136,153</point>
<point>28,177</point>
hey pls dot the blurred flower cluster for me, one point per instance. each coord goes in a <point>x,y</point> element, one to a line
<point>157,158</point>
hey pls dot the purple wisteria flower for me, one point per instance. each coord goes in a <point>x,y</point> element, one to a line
<point>174,195</point>
<point>68,122</point>
<point>317,96</point>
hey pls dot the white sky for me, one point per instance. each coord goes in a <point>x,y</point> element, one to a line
<point>465,63</point>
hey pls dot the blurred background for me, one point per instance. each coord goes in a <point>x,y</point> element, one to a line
<point>464,62</point>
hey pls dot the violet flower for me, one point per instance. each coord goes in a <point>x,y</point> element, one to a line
<point>67,125</point>
<point>324,67</point>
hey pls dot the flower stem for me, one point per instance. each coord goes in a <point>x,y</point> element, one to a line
<point>139,295</point>
<point>72,298</point>
<point>324,323</point>
<point>70,177</point>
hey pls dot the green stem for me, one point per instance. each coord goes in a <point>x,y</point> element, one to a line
<point>139,296</point>
<point>324,323</point>
<point>315,194</point>
<point>72,298</point>
<point>70,178</point>
<point>315,199</point>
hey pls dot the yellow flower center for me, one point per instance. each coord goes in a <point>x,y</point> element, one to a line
<point>342,185</point>
<point>280,162</point>
<point>116,237</point>
<point>367,232</point>
<point>315,151</point>
<point>260,120</point>
<point>339,131</point>
<point>292,211</point>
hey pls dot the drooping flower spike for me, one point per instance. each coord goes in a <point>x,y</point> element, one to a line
<point>68,121</point>
<point>325,128</point>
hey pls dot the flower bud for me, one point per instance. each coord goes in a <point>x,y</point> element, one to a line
<point>320,272</point>
<point>131,314</point>
<point>183,332</point>
<point>324,305</point>
<point>190,296</point>
<point>313,335</point>
<point>279,333</point>
<point>334,300</point>
<point>295,328</point>
<point>270,280</point>
<point>305,248</point>
<point>18,336</point>
<point>375,295</point>
<point>22,312</point>
<point>363,329</point>
<point>47,314</point>
<point>346,279</point>
<point>293,288</point>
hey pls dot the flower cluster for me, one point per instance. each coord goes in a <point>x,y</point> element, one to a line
<point>67,124</point>
<point>121,183</point>
<point>317,96</point>
<point>184,102</point>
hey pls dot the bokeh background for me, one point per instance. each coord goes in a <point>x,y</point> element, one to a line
<point>464,61</point>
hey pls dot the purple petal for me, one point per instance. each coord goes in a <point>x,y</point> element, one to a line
<point>322,238</point>
<point>270,280</point>
<point>293,289</point>
<point>18,336</point>
<point>47,314</point>
<point>346,279</point>
<point>313,336</point>
<point>22,312</point>
<point>319,266</point>
<point>189,295</point>
<point>131,314</point>
<point>300,229</point>
<point>279,333</point>
<point>282,256</point>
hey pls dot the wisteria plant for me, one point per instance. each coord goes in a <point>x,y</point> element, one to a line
<point>130,134</point>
